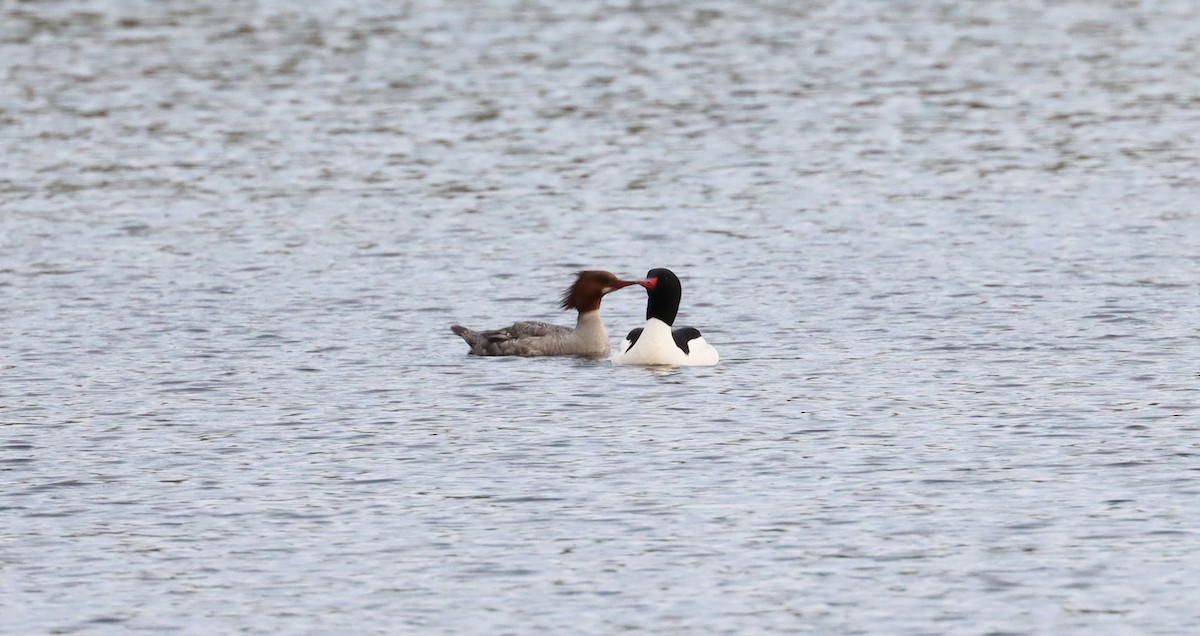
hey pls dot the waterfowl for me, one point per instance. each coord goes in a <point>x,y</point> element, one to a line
<point>535,338</point>
<point>657,341</point>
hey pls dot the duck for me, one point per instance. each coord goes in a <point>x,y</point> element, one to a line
<point>657,341</point>
<point>589,338</point>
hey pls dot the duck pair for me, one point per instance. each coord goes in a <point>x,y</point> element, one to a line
<point>656,342</point>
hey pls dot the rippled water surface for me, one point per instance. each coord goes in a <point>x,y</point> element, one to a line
<point>948,252</point>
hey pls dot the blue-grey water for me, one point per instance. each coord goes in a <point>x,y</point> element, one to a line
<point>947,250</point>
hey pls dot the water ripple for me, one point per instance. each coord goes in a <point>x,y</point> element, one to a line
<point>947,251</point>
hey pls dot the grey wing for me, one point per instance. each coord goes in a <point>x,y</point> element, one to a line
<point>533,329</point>
<point>515,340</point>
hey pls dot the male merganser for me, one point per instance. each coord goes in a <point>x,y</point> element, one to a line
<point>533,338</point>
<point>656,342</point>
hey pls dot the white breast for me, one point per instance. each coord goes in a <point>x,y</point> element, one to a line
<point>657,346</point>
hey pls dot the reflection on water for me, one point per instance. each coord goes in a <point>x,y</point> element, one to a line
<point>948,252</point>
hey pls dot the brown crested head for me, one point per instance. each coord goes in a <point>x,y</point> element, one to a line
<point>590,286</point>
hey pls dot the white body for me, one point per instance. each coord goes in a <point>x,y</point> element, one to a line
<point>657,346</point>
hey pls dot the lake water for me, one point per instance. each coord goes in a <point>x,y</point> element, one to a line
<point>948,252</point>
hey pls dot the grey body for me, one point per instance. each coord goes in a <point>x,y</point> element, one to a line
<point>533,338</point>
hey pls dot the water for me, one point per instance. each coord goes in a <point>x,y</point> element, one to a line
<point>947,250</point>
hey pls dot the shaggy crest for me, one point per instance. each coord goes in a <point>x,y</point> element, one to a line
<point>589,288</point>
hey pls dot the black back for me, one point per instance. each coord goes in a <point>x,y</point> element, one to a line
<point>683,336</point>
<point>664,298</point>
<point>633,337</point>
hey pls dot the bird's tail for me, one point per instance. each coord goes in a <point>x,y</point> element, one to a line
<point>466,334</point>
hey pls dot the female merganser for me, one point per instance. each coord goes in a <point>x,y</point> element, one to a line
<point>533,338</point>
<point>656,342</point>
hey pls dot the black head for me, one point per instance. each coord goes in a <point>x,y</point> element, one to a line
<point>662,285</point>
